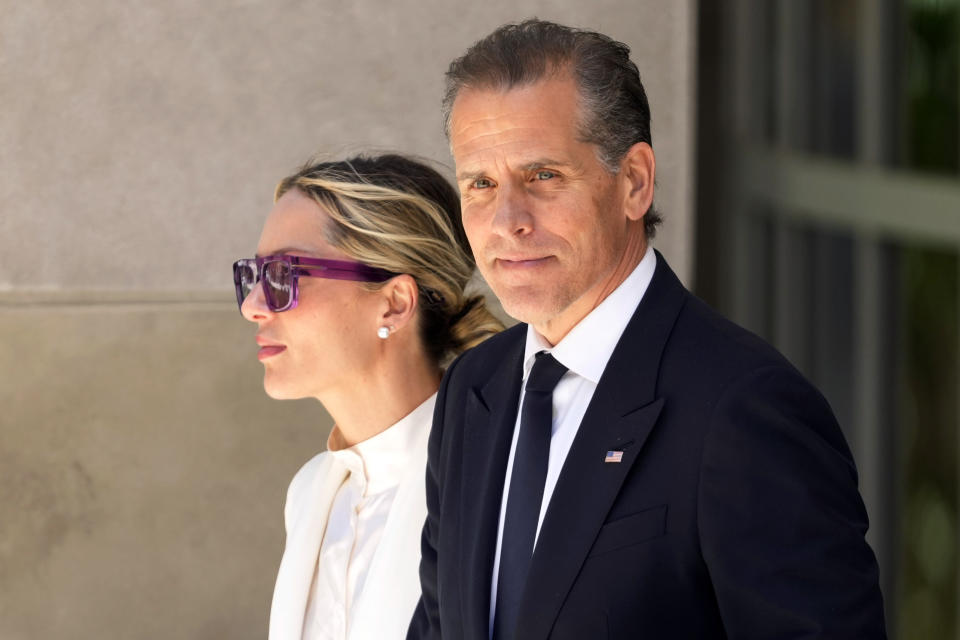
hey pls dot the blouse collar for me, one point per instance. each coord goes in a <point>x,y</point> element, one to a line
<point>380,462</point>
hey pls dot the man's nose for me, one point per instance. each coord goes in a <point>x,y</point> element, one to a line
<point>513,216</point>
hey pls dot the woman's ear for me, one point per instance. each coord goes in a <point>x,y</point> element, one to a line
<point>638,170</point>
<point>400,296</point>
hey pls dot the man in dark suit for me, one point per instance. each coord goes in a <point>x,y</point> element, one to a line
<point>627,463</point>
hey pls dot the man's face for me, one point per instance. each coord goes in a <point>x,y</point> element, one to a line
<point>544,218</point>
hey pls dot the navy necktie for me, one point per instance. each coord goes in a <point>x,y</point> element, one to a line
<point>526,492</point>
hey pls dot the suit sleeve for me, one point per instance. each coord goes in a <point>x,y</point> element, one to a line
<point>781,521</point>
<point>426,617</point>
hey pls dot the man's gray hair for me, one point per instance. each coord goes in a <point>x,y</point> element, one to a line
<point>614,111</point>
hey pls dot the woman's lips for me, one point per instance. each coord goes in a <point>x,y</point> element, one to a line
<point>268,348</point>
<point>270,351</point>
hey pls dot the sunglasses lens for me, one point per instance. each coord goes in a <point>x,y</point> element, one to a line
<point>278,285</point>
<point>244,277</point>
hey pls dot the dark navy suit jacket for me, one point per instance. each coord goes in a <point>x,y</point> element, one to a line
<point>734,512</point>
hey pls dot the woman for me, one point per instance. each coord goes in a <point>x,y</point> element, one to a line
<point>362,266</point>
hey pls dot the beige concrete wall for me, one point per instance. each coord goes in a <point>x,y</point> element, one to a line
<point>143,473</point>
<point>142,469</point>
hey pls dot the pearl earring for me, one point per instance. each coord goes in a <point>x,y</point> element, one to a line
<point>383,332</point>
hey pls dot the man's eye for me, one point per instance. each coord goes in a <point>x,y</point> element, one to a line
<point>482,183</point>
<point>543,174</point>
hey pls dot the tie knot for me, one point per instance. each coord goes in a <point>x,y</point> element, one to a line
<point>546,373</point>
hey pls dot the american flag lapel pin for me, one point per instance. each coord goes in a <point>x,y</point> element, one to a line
<point>613,456</point>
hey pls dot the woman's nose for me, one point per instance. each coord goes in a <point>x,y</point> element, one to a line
<point>254,307</point>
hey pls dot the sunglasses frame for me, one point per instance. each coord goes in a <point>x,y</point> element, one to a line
<point>302,266</point>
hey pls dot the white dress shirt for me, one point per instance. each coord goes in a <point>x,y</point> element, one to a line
<point>356,521</point>
<point>584,351</point>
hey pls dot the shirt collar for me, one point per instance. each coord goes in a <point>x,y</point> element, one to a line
<point>379,463</point>
<point>587,348</point>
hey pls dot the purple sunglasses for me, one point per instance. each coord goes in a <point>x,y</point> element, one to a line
<point>280,273</point>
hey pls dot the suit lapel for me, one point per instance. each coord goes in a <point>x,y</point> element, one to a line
<point>620,417</point>
<point>491,413</point>
<point>299,560</point>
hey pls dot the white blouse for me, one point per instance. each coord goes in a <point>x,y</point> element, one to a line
<point>358,515</point>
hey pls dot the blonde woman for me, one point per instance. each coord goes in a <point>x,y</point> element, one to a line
<point>357,292</point>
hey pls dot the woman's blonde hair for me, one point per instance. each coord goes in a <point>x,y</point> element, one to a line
<point>401,215</point>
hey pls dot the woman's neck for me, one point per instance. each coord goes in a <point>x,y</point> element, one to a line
<point>368,406</point>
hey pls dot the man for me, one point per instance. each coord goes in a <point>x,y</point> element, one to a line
<point>627,464</point>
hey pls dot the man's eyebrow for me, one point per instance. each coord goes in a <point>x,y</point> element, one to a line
<point>530,165</point>
<point>539,163</point>
<point>469,175</point>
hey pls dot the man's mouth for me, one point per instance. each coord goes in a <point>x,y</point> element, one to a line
<point>520,262</point>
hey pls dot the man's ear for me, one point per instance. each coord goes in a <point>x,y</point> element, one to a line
<point>400,296</point>
<point>638,170</point>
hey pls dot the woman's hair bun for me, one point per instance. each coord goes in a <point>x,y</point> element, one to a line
<point>472,324</point>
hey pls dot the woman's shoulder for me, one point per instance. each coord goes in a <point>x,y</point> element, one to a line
<point>305,475</point>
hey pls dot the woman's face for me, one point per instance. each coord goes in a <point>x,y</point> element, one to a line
<point>329,340</point>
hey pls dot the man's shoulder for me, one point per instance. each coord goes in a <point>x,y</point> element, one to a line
<point>700,341</point>
<point>713,343</point>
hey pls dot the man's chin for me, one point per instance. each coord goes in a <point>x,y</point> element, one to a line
<point>530,307</point>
